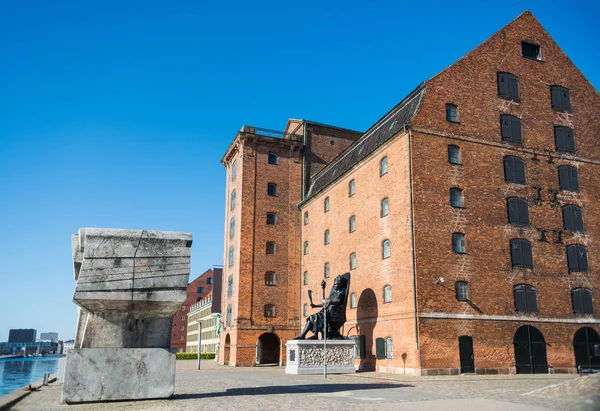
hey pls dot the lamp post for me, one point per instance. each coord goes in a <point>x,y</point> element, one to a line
<point>199,340</point>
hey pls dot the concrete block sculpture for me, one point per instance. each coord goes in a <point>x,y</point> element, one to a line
<point>129,285</point>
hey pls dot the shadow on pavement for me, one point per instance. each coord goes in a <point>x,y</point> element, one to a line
<point>289,389</point>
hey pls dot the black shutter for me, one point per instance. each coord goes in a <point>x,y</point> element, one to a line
<point>565,101</point>
<point>509,169</point>
<point>559,138</point>
<point>503,88</point>
<point>520,302</point>
<point>517,135</point>
<point>519,171</point>
<point>582,260</point>
<point>563,177</point>
<point>380,348</point>
<point>513,87</point>
<point>568,222</point>
<point>577,218</point>
<point>586,301</point>
<point>572,258</point>
<point>515,253</point>
<point>577,301</point>
<point>506,127</point>
<point>531,298</point>
<point>569,140</point>
<point>513,210</point>
<point>573,179</point>
<point>523,212</point>
<point>555,95</point>
<point>526,254</point>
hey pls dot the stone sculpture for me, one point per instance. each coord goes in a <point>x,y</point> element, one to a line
<point>129,285</point>
<point>336,311</point>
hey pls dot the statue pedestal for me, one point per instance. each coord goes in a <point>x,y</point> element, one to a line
<point>306,357</point>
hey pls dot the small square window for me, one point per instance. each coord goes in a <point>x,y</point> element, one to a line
<point>271,247</point>
<point>272,189</point>
<point>271,218</point>
<point>273,159</point>
<point>200,289</point>
<point>209,280</point>
<point>531,50</point>
<point>452,113</point>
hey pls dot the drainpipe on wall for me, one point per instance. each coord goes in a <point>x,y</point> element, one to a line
<point>412,239</point>
<point>301,313</point>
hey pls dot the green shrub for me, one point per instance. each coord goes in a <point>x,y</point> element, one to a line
<point>194,356</point>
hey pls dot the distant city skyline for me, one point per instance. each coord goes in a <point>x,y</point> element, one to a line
<point>115,115</point>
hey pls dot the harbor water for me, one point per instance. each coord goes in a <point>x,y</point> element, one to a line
<point>19,372</point>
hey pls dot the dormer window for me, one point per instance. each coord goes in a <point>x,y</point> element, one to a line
<point>531,50</point>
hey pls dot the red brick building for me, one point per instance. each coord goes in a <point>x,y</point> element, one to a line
<point>468,217</point>
<point>197,290</point>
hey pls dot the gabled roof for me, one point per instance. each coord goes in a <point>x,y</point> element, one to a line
<point>383,130</point>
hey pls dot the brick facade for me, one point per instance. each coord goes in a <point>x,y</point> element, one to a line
<point>179,331</point>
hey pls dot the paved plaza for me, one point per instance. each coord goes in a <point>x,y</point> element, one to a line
<point>216,387</point>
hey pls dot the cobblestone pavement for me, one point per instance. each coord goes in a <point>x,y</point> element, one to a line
<point>269,388</point>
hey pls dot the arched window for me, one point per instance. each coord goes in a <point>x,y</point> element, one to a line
<point>458,243</point>
<point>273,158</point>
<point>452,113</point>
<point>568,178</point>
<point>230,285</point>
<point>462,290</point>
<point>232,227</point>
<point>232,200</point>
<point>326,270</point>
<point>510,128</point>
<point>351,188</point>
<point>306,248</point>
<point>385,209</point>
<point>383,167</point>
<point>564,139</point>
<point>525,298</point>
<point>514,170</point>
<point>230,259</point>
<point>326,239</point>
<point>353,261</point>
<point>271,247</point>
<point>456,197</point>
<point>385,249</point>
<point>305,217</point>
<point>582,301</point>
<point>353,300</point>
<point>269,311</point>
<point>453,154</point>
<point>305,278</point>
<point>387,294</point>
<point>234,170</point>
<point>229,315</point>
<point>520,253</point>
<point>270,278</point>
<point>352,223</point>
<point>577,258</point>
<point>518,211</point>
<point>326,204</point>
<point>572,218</point>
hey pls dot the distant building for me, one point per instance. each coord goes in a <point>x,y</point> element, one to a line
<point>68,345</point>
<point>30,348</point>
<point>48,336</point>
<point>19,336</point>
<point>202,311</point>
<point>197,290</point>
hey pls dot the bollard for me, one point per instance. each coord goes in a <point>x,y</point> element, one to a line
<point>46,377</point>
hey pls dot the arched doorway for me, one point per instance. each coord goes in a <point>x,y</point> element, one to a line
<point>530,351</point>
<point>586,344</point>
<point>267,349</point>
<point>227,350</point>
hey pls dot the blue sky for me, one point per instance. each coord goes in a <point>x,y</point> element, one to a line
<point>116,114</point>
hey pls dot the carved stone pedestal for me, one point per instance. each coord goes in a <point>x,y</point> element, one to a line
<point>306,357</point>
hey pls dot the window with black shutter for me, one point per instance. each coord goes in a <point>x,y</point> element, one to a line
<point>518,211</point>
<point>582,301</point>
<point>572,218</point>
<point>525,298</point>
<point>568,178</point>
<point>531,50</point>
<point>514,170</point>
<point>510,127</point>
<point>520,253</point>
<point>561,98</point>
<point>564,139</point>
<point>577,258</point>
<point>452,113</point>
<point>380,348</point>
<point>508,86</point>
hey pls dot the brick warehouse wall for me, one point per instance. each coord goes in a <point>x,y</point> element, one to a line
<point>371,318</point>
<point>180,317</point>
<point>471,85</point>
